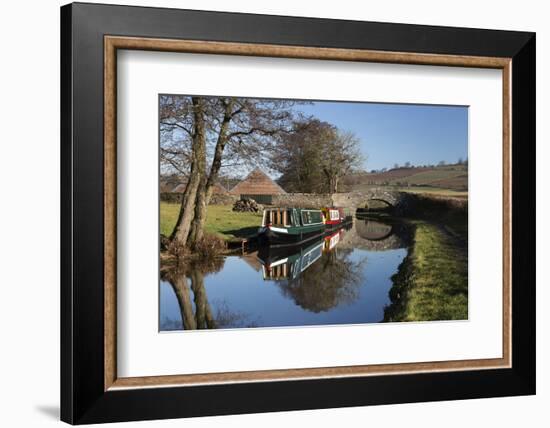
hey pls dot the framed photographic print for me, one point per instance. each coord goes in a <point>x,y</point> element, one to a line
<point>265,213</point>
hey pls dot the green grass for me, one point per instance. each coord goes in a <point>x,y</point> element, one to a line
<point>432,281</point>
<point>415,189</point>
<point>220,220</point>
<point>434,191</point>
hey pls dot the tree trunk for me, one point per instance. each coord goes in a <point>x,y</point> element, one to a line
<point>206,186</point>
<point>331,181</point>
<point>187,208</point>
<point>181,288</point>
<point>203,313</point>
<point>197,227</point>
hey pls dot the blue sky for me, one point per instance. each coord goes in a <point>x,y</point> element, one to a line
<point>399,133</point>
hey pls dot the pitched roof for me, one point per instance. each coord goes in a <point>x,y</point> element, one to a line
<point>219,189</point>
<point>257,183</point>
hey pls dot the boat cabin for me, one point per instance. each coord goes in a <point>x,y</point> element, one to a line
<point>332,215</point>
<point>291,217</point>
<point>290,226</point>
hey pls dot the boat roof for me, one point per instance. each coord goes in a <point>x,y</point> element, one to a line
<point>291,208</point>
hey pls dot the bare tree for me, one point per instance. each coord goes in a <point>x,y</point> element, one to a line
<point>339,156</point>
<point>297,156</point>
<point>315,156</point>
<point>226,131</point>
<point>198,158</point>
<point>243,130</point>
<point>176,134</point>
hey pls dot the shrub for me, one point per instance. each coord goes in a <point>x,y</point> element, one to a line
<point>171,197</point>
<point>216,199</point>
<point>176,249</point>
<point>209,246</point>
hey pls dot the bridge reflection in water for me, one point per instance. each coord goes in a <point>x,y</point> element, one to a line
<point>341,278</point>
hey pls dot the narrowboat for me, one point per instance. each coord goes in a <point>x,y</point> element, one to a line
<point>287,263</point>
<point>335,217</point>
<point>332,216</point>
<point>290,226</point>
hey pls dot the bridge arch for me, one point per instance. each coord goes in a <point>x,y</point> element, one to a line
<point>359,199</point>
<point>374,203</point>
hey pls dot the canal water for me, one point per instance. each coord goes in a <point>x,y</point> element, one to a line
<point>343,277</point>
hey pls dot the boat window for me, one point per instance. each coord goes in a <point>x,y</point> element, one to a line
<point>286,218</point>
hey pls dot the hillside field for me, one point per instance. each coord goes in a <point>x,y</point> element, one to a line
<point>447,179</point>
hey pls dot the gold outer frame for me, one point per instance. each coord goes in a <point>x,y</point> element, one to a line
<point>113,43</point>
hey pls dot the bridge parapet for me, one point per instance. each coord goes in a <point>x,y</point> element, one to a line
<point>353,200</point>
<point>359,199</point>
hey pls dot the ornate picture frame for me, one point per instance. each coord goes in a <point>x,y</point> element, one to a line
<point>91,389</point>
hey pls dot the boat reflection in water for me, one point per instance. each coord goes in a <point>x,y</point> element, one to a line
<point>333,239</point>
<point>280,263</point>
<point>289,262</point>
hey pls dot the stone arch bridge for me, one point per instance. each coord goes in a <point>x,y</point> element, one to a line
<point>399,201</point>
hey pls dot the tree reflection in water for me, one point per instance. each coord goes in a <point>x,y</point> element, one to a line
<point>332,280</point>
<point>187,281</point>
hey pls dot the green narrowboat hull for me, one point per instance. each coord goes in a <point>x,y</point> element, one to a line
<point>290,226</point>
<point>290,235</point>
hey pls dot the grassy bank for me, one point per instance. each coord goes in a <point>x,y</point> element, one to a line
<point>434,191</point>
<point>220,220</point>
<point>450,213</point>
<point>432,281</point>
<point>423,190</point>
